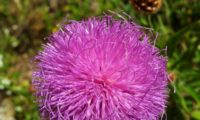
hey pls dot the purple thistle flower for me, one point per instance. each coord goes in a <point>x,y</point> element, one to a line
<point>101,69</point>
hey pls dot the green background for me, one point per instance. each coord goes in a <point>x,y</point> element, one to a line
<point>25,23</point>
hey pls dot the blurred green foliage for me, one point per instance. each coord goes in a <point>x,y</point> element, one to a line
<point>24,24</point>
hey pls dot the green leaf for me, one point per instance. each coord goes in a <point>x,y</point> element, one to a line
<point>196,115</point>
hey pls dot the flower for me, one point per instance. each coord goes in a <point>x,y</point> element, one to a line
<point>101,69</point>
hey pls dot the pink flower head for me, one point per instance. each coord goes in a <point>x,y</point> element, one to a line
<point>101,69</point>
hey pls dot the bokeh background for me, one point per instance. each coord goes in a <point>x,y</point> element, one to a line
<point>25,23</point>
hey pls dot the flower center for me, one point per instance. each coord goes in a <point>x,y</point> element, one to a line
<point>104,81</point>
